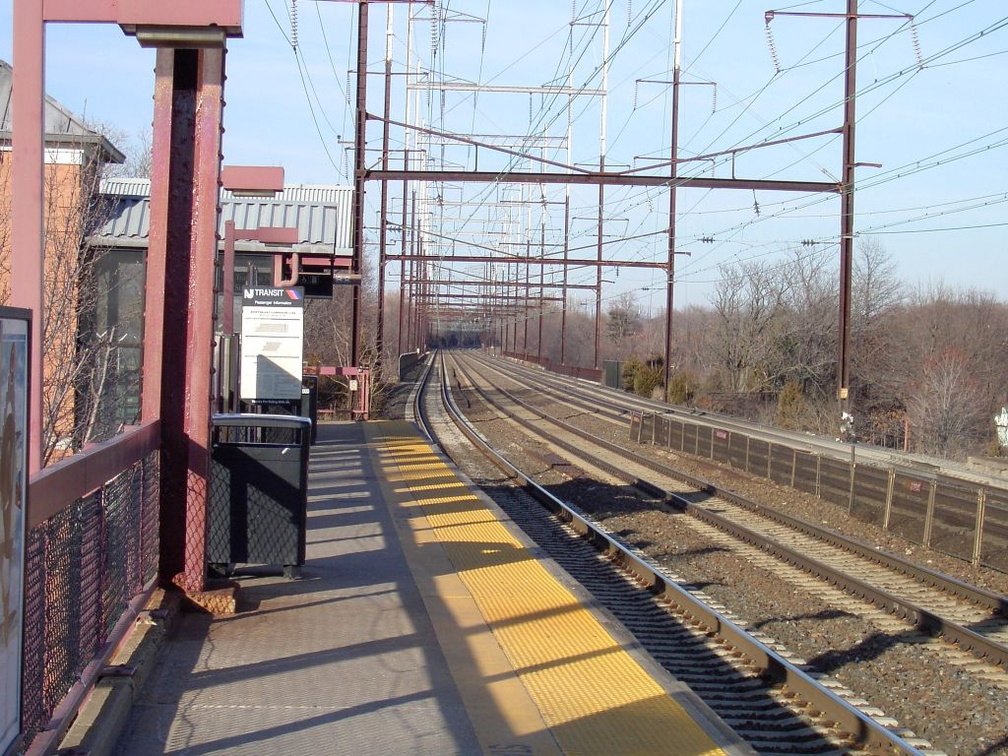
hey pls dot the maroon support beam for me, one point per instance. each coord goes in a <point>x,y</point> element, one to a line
<point>600,178</point>
<point>360,143</point>
<point>132,15</point>
<point>27,200</point>
<point>183,242</point>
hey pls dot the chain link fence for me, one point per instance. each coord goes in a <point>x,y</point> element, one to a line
<point>956,517</point>
<point>83,567</point>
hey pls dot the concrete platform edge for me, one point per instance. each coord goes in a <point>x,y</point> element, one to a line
<point>101,719</point>
<point>720,732</point>
<point>503,715</point>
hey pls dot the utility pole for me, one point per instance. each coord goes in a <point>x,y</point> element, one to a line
<point>564,171</point>
<point>601,188</point>
<point>847,209</point>
<point>360,140</point>
<point>674,173</point>
<point>846,183</point>
<point>383,220</point>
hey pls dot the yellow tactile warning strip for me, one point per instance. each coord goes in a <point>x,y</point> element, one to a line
<point>592,694</point>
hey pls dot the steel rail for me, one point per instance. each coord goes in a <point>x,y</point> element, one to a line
<point>981,597</point>
<point>923,619</point>
<point>818,444</point>
<point>863,729</point>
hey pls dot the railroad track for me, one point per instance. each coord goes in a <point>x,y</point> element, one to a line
<point>611,404</point>
<point>932,603</point>
<point>955,515</point>
<point>773,703</point>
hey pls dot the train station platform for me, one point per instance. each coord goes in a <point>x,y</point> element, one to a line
<point>424,623</point>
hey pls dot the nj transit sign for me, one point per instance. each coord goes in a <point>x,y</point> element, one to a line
<point>272,343</point>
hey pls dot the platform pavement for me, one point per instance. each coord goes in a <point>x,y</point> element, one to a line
<point>378,649</point>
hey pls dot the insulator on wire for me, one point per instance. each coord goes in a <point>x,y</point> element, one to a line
<point>435,28</point>
<point>773,48</point>
<point>636,86</point>
<point>294,24</point>
<point>714,99</point>
<point>915,41</point>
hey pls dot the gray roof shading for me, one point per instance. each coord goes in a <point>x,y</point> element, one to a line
<point>322,215</point>
<point>62,128</point>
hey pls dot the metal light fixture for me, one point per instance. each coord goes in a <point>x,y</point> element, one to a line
<point>184,37</point>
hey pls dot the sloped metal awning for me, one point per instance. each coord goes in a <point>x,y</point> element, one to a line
<point>321,214</point>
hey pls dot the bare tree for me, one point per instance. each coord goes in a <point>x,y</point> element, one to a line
<point>328,324</point>
<point>970,325</point>
<point>137,148</point>
<point>947,406</point>
<point>690,338</point>
<point>877,349</point>
<point>70,296</point>
<point>69,201</point>
<point>803,346</point>
<point>77,362</point>
<point>623,319</point>
<point>579,336</point>
<point>745,302</point>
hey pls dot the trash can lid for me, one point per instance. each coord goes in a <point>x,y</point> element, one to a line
<point>253,420</point>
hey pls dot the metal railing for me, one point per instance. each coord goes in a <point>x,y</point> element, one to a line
<point>956,517</point>
<point>91,556</point>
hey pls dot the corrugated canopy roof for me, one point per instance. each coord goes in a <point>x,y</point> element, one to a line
<point>321,214</point>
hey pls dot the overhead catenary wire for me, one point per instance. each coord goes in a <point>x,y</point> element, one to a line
<point>772,210</point>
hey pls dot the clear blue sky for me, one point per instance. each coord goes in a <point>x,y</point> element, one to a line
<point>931,110</point>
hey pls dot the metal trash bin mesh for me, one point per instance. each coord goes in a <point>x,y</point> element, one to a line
<point>258,491</point>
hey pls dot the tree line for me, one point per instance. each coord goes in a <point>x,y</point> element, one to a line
<point>927,363</point>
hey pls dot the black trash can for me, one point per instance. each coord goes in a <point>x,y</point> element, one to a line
<point>258,498</point>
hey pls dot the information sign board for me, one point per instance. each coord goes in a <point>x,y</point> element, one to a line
<point>272,343</point>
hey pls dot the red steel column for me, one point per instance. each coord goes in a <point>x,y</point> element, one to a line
<point>227,313</point>
<point>26,203</point>
<point>360,162</point>
<point>199,389</point>
<point>157,240</point>
<point>184,209</point>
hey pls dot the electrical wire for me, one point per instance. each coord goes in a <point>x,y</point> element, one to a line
<point>546,117</point>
